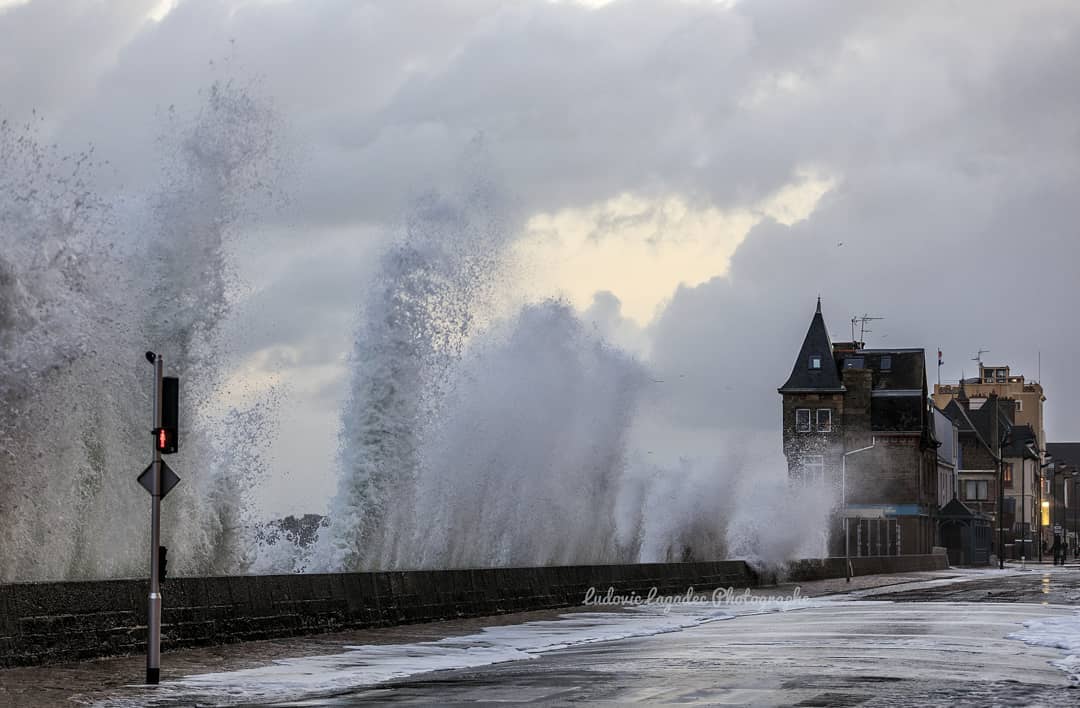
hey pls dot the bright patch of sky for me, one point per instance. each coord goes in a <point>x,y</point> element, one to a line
<point>641,249</point>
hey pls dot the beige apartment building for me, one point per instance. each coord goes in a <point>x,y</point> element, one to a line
<point>1024,490</point>
<point>1027,397</point>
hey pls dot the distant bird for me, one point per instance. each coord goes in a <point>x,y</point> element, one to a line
<point>839,244</point>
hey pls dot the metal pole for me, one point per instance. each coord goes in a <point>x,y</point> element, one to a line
<point>843,497</point>
<point>153,626</point>
<point>1025,527</point>
<point>1038,516</point>
<point>1001,505</point>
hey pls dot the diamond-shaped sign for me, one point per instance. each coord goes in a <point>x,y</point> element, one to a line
<point>168,479</point>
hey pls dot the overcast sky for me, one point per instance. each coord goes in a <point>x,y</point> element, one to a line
<point>690,175</point>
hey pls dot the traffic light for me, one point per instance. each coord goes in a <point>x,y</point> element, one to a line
<point>162,560</point>
<point>167,437</point>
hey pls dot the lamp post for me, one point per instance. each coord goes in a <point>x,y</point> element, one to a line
<point>1051,505</point>
<point>1025,525</point>
<point>1003,440</point>
<point>1042,503</point>
<point>843,502</point>
<point>1062,510</point>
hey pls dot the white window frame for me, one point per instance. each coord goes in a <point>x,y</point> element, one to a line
<point>827,428</point>
<point>816,362</point>
<point>809,421</point>
<point>1019,406</point>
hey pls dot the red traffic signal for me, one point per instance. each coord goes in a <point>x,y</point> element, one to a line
<point>167,438</point>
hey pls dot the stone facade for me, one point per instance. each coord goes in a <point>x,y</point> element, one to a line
<point>876,399</point>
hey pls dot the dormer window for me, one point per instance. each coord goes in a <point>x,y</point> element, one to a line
<point>886,363</point>
<point>815,361</point>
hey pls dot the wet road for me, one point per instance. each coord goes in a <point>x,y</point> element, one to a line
<point>943,644</point>
<point>937,638</point>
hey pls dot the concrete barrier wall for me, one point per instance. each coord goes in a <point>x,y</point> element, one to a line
<point>50,622</point>
<point>822,568</point>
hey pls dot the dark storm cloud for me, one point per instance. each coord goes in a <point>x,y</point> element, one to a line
<point>957,155</point>
<point>951,132</point>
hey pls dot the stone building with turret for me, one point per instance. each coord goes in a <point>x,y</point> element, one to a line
<point>843,398</point>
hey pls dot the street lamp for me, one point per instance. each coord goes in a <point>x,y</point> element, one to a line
<point>1003,440</point>
<point>1044,506</point>
<point>843,501</point>
<point>1025,525</point>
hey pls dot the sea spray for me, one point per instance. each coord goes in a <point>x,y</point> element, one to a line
<point>87,283</point>
<point>470,441</point>
<point>219,170</point>
<point>525,466</point>
<point>432,288</point>
<point>55,305</point>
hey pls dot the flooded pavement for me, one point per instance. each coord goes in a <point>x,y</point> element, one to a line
<point>852,653</point>
<point>918,639</point>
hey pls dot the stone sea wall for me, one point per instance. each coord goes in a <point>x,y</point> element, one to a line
<point>52,622</point>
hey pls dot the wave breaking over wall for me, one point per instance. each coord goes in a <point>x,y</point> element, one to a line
<point>474,441</point>
<point>88,282</point>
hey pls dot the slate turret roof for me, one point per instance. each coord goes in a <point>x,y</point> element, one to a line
<point>816,347</point>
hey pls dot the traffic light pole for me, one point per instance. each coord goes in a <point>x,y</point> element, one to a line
<point>153,625</point>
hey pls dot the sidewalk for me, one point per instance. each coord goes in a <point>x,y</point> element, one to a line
<point>85,683</point>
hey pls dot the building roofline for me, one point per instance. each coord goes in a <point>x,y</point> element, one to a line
<point>811,390</point>
<point>896,393</point>
<point>902,350</point>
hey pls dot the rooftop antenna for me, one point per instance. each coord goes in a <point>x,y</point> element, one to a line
<point>863,331</point>
<point>978,358</point>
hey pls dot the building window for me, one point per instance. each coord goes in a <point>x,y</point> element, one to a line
<point>814,469</point>
<point>802,420</point>
<point>815,361</point>
<point>1008,473</point>
<point>1019,406</point>
<point>855,362</point>
<point>886,363</point>
<point>976,490</point>
<point>824,420</point>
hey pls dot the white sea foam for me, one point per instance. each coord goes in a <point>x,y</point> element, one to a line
<point>1058,633</point>
<point>367,665</point>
